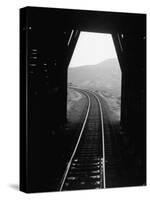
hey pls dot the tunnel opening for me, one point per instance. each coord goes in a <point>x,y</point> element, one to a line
<point>94,66</point>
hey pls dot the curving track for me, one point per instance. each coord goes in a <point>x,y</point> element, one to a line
<point>86,168</point>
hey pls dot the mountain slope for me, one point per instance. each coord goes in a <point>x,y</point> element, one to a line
<point>103,76</point>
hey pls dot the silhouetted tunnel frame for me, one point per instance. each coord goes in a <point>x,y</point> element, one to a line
<point>128,31</point>
<point>131,52</point>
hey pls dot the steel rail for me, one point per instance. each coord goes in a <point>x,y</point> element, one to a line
<point>103,139</point>
<point>69,163</point>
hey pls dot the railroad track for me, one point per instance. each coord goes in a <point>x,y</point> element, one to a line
<point>86,167</point>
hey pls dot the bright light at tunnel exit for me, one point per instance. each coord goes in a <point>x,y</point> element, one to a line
<point>93,48</point>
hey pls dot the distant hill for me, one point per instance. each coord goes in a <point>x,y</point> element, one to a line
<point>104,77</point>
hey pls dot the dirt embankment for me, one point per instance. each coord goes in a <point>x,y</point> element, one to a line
<point>72,98</point>
<point>75,106</point>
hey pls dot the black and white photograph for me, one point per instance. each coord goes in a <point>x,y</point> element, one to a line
<point>82,99</point>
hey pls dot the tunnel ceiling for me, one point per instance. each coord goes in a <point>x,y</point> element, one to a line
<point>94,21</point>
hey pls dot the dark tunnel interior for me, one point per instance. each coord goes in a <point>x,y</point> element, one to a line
<point>48,56</point>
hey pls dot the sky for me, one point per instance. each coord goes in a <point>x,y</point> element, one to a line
<point>92,48</point>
